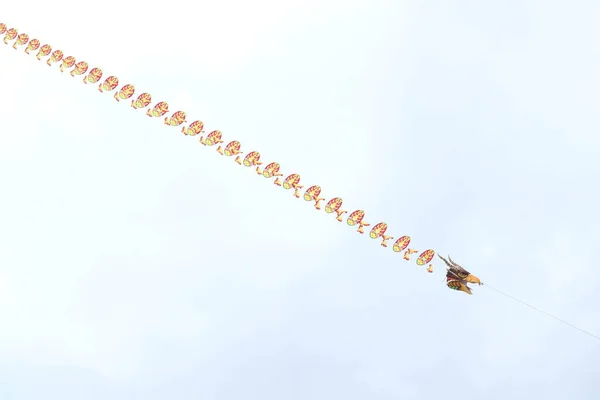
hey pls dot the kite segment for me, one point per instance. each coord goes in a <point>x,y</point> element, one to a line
<point>176,119</point>
<point>401,244</point>
<point>291,182</point>
<point>33,45</point>
<point>334,206</point>
<point>159,109</point>
<point>425,257</point>
<point>80,68</point>
<point>109,84</point>
<point>378,231</point>
<point>270,171</point>
<point>11,34</point>
<point>125,93</point>
<point>193,129</point>
<point>142,101</point>
<point>356,218</point>
<point>252,159</point>
<point>22,39</point>
<point>67,63</point>
<point>232,149</point>
<point>57,56</point>
<point>313,194</point>
<point>94,76</point>
<point>43,52</point>
<point>215,137</point>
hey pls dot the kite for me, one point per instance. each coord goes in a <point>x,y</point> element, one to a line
<point>272,170</point>
<point>457,278</point>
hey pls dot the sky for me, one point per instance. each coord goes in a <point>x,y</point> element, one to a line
<point>136,263</point>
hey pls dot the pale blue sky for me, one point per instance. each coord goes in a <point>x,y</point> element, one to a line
<point>137,264</point>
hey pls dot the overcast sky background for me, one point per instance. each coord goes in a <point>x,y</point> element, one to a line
<point>137,264</point>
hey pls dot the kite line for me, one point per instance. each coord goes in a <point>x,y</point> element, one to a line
<point>457,278</point>
<point>542,311</point>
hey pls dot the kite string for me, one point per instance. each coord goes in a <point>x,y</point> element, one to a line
<point>542,311</point>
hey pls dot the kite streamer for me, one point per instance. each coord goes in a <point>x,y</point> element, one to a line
<point>457,278</point>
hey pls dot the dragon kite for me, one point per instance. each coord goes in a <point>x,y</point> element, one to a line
<point>457,277</point>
